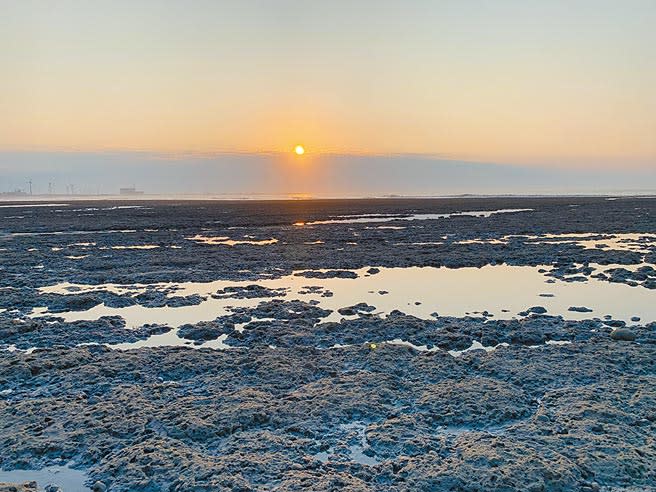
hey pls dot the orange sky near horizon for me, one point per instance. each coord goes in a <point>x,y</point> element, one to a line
<point>517,82</point>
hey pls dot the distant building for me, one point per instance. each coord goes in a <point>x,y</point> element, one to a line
<point>130,191</point>
<point>13,193</point>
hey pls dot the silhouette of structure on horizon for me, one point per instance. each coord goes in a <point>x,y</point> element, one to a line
<point>130,191</point>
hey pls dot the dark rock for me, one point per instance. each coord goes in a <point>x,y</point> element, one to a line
<point>327,274</point>
<point>18,487</point>
<point>249,292</point>
<point>579,309</point>
<point>623,334</point>
<point>99,487</point>
<point>361,307</point>
<point>204,330</point>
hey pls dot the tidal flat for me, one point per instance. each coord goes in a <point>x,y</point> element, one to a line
<point>462,344</point>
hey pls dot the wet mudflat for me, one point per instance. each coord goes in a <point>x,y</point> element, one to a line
<point>448,344</point>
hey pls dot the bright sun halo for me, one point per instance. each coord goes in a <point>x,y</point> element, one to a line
<point>299,150</point>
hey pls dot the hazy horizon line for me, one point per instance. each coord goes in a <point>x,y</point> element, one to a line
<point>106,172</point>
<point>300,196</point>
<point>569,162</point>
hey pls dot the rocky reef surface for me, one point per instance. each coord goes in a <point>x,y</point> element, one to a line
<point>361,402</point>
<point>552,417</point>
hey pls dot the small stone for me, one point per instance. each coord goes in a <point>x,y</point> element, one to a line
<point>53,488</point>
<point>99,487</point>
<point>635,318</point>
<point>623,334</point>
<point>579,309</point>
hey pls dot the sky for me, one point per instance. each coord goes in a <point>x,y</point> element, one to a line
<point>565,84</point>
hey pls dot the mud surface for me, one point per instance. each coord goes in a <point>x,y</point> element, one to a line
<point>361,401</point>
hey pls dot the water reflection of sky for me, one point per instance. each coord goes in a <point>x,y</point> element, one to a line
<point>366,218</point>
<point>504,291</point>
<point>68,479</point>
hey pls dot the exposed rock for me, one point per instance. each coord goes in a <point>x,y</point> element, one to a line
<point>99,487</point>
<point>249,292</point>
<point>361,307</point>
<point>579,309</point>
<point>18,487</point>
<point>327,274</point>
<point>204,330</point>
<point>623,334</point>
<point>323,410</point>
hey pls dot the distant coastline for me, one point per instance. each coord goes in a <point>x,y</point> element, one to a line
<point>8,198</point>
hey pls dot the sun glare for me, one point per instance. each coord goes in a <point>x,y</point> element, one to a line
<point>299,150</point>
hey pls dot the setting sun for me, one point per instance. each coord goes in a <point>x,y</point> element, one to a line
<point>299,150</point>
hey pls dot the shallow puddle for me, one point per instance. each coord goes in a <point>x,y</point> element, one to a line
<point>69,479</point>
<point>501,291</point>
<point>636,242</point>
<point>225,240</point>
<point>68,233</point>
<point>365,218</point>
<point>357,445</point>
